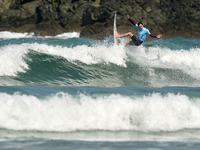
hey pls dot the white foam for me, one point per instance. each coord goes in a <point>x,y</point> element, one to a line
<point>63,112</point>
<point>88,55</point>
<point>15,35</point>
<point>156,57</point>
<point>10,35</point>
<point>68,35</point>
<point>12,60</point>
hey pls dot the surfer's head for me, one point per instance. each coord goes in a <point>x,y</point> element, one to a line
<point>140,25</point>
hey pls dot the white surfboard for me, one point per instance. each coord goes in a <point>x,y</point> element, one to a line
<point>115,29</point>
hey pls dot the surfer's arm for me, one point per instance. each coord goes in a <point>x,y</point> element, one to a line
<point>156,36</point>
<point>131,21</point>
<point>153,36</point>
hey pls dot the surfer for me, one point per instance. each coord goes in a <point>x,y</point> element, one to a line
<point>142,33</point>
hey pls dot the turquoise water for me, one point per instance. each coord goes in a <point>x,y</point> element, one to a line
<point>67,92</point>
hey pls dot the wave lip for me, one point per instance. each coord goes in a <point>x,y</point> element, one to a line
<point>12,60</point>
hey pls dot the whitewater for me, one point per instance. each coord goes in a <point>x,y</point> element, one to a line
<point>92,94</point>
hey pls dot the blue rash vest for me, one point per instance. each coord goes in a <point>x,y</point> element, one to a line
<point>142,33</point>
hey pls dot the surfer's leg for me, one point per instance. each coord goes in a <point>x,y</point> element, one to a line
<point>124,35</point>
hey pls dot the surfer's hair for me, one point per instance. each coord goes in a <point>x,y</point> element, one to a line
<point>140,23</point>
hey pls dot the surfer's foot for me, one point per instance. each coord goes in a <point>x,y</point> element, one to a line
<point>117,35</point>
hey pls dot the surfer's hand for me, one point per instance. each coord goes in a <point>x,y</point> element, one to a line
<point>159,36</point>
<point>128,16</point>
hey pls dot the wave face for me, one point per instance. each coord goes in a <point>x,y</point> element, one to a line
<point>69,60</point>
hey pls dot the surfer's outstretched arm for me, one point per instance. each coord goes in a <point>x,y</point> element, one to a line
<point>131,21</point>
<point>156,36</point>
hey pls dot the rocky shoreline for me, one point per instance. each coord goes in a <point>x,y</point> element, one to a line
<point>94,18</point>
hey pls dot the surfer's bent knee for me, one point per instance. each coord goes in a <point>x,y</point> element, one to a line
<point>130,34</point>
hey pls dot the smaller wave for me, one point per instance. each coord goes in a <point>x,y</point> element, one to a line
<point>15,35</point>
<point>65,113</point>
<point>12,35</point>
<point>67,35</point>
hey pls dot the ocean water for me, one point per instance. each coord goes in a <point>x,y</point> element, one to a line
<point>72,93</point>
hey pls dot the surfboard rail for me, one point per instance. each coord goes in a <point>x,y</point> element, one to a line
<point>115,29</point>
